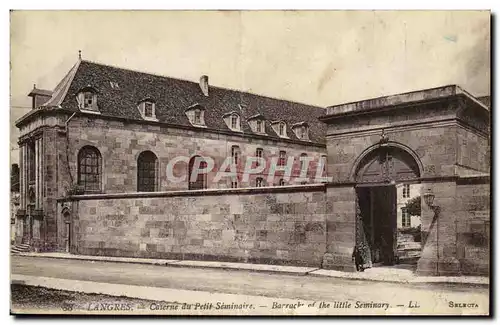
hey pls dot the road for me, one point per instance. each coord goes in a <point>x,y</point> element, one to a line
<point>246,283</point>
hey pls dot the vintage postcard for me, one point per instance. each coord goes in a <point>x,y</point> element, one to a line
<point>250,162</point>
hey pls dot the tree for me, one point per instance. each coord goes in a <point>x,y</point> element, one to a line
<point>14,178</point>
<point>413,206</point>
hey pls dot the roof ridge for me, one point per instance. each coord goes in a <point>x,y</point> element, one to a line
<point>60,91</point>
<point>194,82</point>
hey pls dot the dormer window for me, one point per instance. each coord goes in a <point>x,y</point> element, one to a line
<point>280,128</point>
<point>87,99</point>
<point>301,131</point>
<point>147,108</point>
<point>257,123</point>
<point>232,121</point>
<point>196,115</point>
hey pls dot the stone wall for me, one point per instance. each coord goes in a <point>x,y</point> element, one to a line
<point>341,228</point>
<point>473,226</point>
<point>121,142</point>
<point>434,146</point>
<point>473,150</point>
<point>282,225</point>
<point>458,241</point>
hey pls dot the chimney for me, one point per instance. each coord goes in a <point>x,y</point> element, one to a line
<point>204,84</point>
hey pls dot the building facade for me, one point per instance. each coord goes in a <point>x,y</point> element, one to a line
<point>107,158</point>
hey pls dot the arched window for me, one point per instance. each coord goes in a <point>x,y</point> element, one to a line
<point>201,179</point>
<point>89,169</point>
<point>147,171</point>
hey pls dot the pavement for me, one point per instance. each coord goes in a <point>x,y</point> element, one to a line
<point>205,289</point>
<point>396,274</point>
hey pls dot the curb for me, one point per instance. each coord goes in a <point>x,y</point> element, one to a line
<point>180,264</point>
<point>471,284</point>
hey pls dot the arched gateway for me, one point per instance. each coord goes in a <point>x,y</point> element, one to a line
<point>377,173</point>
<point>434,138</point>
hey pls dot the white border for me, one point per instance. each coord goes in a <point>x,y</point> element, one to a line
<point>191,4</point>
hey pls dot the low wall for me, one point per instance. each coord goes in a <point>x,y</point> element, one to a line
<point>279,225</point>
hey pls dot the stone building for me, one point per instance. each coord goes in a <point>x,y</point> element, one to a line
<point>95,152</point>
<point>109,130</point>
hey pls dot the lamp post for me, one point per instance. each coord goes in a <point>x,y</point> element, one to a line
<point>429,201</point>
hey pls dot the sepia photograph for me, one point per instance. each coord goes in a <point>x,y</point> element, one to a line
<point>250,162</point>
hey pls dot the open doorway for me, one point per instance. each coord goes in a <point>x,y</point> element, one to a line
<point>377,224</point>
<point>388,225</point>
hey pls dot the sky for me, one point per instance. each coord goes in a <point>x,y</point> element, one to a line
<point>316,57</point>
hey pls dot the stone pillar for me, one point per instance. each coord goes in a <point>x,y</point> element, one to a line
<point>341,228</point>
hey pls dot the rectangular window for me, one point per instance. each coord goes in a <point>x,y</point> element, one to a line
<point>282,129</point>
<point>282,158</point>
<point>302,159</point>
<point>300,133</point>
<point>234,183</point>
<point>405,218</point>
<point>197,116</point>
<point>406,190</point>
<point>31,162</point>
<point>259,154</point>
<point>88,100</point>
<point>259,126</point>
<point>258,182</point>
<point>235,152</point>
<point>234,122</point>
<point>282,182</point>
<point>148,109</point>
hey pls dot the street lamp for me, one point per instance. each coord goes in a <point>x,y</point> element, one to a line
<point>429,198</point>
<point>429,201</point>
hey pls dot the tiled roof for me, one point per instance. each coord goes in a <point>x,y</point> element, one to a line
<point>174,96</point>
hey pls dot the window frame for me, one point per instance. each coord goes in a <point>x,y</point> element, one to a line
<point>258,126</point>
<point>405,218</point>
<point>259,153</point>
<point>234,118</point>
<point>84,96</point>
<point>149,105</point>
<point>83,169</point>
<point>142,109</point>
<point>197,116</point>
<point>259,182</point>
<point>234,183</point>
<point>281,129</point>
<point>235,154</point>
<point>282,160</point>
<point>147,162</point>
<point>406,191</point>
<point>31,162</point>
<point>201,183</point>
